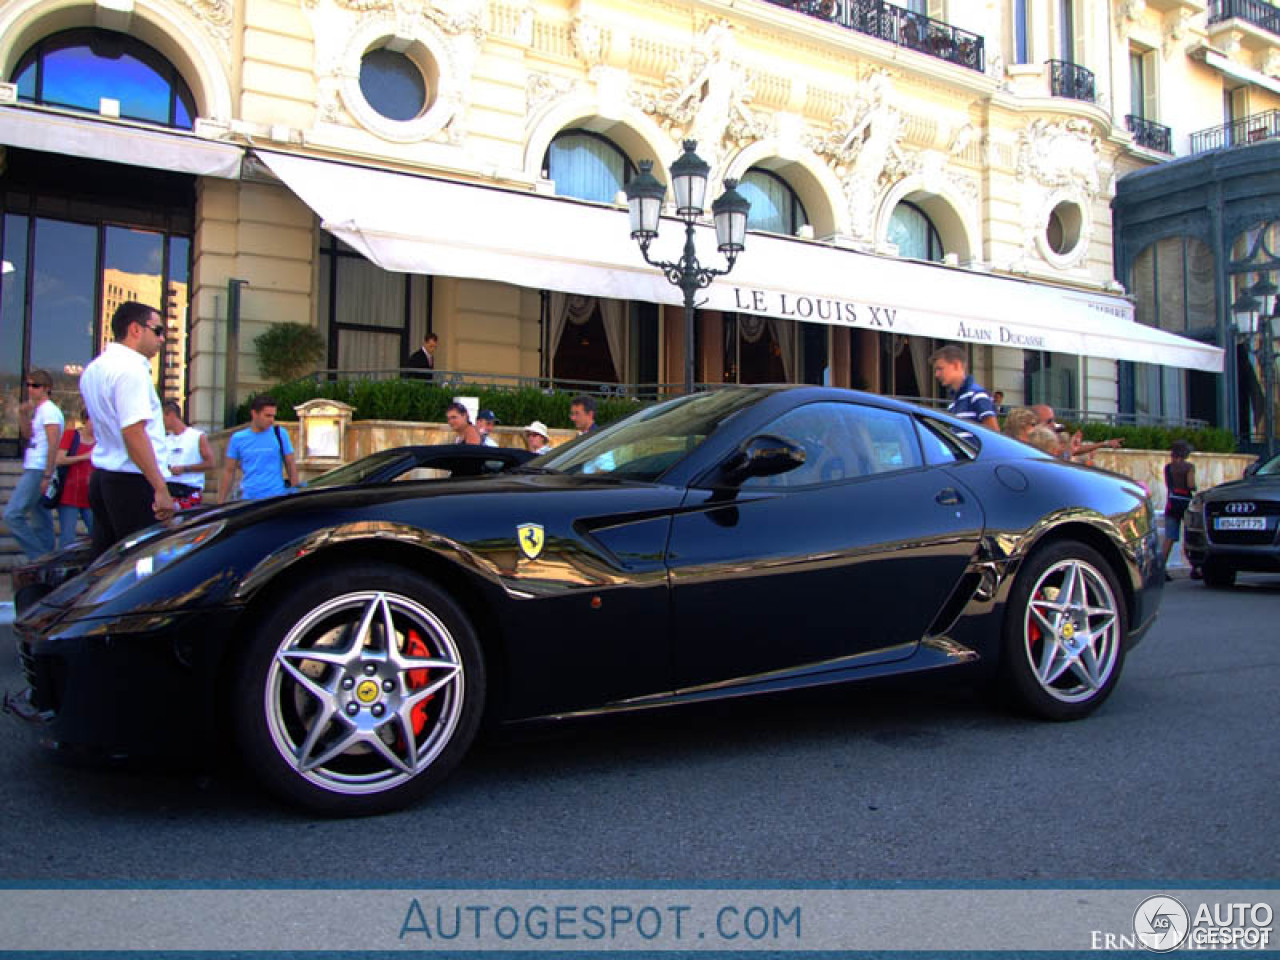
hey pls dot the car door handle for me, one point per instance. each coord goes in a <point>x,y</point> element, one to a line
<point>949,497</point>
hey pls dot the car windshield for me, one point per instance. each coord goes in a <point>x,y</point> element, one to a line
<point>647,444</point>
<point>1269,469</point>
<point>356,471</point>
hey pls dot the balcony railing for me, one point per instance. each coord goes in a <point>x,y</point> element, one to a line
<point>898,26</point>
<point>1258,12</point>
<point>1071,80</point>
<point>1149,134</point>
<point>1251,129</point>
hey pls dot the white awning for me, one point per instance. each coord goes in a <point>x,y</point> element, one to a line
<point>421,225</point>
<point>119,142</point>
<point>1238,71</point>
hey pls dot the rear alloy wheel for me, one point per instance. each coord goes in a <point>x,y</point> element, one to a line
<point>360,693</point>
<point>1065,633</point>
<point>1218,576</point>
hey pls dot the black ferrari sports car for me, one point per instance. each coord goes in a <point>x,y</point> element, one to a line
<point>1236,526</point>
<point>34,579</point>
<point>740,541</point>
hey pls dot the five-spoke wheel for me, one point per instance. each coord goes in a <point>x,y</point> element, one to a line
<point>360,693</point>
<point>1065,632</point>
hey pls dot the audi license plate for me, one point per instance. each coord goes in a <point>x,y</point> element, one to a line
<point>1240,523</point>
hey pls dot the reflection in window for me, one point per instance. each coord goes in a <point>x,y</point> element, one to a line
<point>13,285</point>
<point>78,68</point>
<point>587,166</point>
<point>63,297</point>
<point>914,234</point>
<point>775,208</point>
<point>393,85</point>
<point>842,441</point>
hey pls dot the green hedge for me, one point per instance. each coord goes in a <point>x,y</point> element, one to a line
<point>1204,439</point>
<point>415,401</point>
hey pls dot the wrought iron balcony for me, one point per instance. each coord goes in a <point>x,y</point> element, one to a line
<point>1258,12</point>
<point>1071,80</point>
<point>1250,129</point>
<point>898,26</point>
<point>1149,134</point>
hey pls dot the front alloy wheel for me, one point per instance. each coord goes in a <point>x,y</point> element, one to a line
<point>364,697</point>
<point>1065,633</point>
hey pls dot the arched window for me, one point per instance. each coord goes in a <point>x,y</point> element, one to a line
<point>78,68</point>
<point>587,166</point>
<point>914,233</point>
<point>393,84</point>
<point>775,208</point>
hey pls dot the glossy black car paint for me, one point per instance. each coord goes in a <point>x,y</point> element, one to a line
<point>1220,554</point>
<point>35,579</point>
<point>645,593</point>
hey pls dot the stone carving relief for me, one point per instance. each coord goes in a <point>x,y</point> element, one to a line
<point>590,41</point>
<point>450,34</point>
<point>706,97</point>
<point>1176,27</point>
<point>1060,153</point>
<point>215,17</point>
<point>1059,162</point>
<point>864,148</point>
<point>542,88</point>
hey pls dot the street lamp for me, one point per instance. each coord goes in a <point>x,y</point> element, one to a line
<point>1254,327</point>
<point>689,181</point>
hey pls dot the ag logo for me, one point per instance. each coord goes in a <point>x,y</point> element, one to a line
<point>1161,923</point>
<point>530,537</point>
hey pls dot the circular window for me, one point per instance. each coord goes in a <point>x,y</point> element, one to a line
<point>1063,231</point>
<point>393,85</point>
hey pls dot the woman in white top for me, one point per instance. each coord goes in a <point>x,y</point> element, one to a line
<point>189,454</point>
<point>30,524</point>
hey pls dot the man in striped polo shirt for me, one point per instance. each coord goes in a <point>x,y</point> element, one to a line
<point>969,400</point>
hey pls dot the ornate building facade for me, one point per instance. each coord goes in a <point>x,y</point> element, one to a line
<point>918,174</point>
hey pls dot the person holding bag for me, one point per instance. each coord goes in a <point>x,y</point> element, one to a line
<point>74,467</point>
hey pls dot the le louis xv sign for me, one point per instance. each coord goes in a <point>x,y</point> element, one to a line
<point>849,313</point>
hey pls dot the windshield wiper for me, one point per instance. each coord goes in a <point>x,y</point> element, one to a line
<point>529,468</point>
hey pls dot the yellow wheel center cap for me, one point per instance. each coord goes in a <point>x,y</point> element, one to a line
<point>367,691</point>
<point>1068,630</point>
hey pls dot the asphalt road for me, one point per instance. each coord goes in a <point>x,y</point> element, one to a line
<point>1175,778</point>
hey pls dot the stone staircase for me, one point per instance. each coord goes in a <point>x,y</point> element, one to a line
<point>10,555</point>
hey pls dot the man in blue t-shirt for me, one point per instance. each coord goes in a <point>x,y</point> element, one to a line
<point>969,400</point>
<point>263,454</point>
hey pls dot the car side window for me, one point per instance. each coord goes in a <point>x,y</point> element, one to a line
<point>842,441</point>
<point>942,443</point>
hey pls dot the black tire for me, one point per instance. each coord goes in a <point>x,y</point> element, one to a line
<point>1061,657</point>
<point>1218,576</point>
<point>356,729</point>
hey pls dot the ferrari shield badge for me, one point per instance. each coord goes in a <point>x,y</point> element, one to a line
<point>531,539</point>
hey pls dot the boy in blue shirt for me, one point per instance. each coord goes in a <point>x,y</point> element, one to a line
<point>263,454</point>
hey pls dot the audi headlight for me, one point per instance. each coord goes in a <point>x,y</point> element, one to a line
<point>1195,512</point>
<point>148,561</point>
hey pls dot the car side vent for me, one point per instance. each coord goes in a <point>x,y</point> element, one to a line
<point>959,599</point>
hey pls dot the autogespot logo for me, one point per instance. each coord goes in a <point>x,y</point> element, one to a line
<point>1161,923</point>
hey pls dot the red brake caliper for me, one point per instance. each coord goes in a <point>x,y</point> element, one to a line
<point>417,679</point>
<point>1033,628</point>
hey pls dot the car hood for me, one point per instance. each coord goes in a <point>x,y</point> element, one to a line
<point>1257,488</point>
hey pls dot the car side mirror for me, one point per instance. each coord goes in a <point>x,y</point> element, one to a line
<point>1252,468</point>
<point>764,455</point>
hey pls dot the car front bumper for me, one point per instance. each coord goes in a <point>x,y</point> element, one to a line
<point>142,685</point>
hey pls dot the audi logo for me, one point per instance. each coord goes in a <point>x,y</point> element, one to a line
<point>1240,507</point>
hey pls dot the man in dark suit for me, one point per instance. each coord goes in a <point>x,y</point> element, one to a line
<point>423,359</point>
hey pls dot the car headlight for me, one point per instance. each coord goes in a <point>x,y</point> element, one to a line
<point>149,560</point>
<point>1195,512</point>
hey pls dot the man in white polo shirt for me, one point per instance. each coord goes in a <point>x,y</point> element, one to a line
<point>127,490</point>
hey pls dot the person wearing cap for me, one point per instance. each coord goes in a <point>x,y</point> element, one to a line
<point>28,522</point>
<point>535,437</point>
<point>485,421</point>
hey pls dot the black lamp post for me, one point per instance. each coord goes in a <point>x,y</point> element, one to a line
<point>689,180</point>
<point>1253,322</point>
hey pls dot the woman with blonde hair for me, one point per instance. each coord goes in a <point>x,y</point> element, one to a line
<point>1019,423</point>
